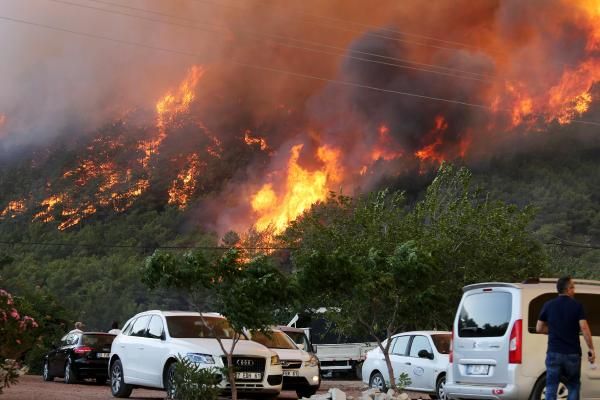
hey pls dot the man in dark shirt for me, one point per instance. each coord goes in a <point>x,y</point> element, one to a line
<point>562,318</point>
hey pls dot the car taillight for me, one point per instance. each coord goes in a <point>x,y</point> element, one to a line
<point>515,345</point>
<point>450,355</point>
<point>83,350</point>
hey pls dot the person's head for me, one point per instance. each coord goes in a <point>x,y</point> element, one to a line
<point>115,325</point>
<point>79,325</point>
<point>565,286</point>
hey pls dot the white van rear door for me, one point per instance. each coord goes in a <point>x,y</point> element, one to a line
<point>481,335</point>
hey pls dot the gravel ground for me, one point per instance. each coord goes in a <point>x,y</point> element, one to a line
<point>32,387</point>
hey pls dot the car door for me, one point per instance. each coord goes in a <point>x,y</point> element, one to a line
<point>398,356</point>
<point>590,378</point>
<point>53,357</point>
<point>155,351</point>
<point>421,366</point>
<point>62,353</point>
<point>131,348</point>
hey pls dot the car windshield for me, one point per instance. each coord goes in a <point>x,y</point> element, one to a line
<point>97,340</point>
<point>442,342</point>
<point>195,326</point>
<point>273,340</point>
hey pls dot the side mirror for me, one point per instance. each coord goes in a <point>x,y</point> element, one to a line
<point>425,354</point>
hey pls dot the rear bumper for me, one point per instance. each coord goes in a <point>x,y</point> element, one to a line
<point>90,368</point>
<point>507,392</point>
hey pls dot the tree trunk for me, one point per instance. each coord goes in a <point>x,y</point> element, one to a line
<point>231,376</point>
<point>388,362</point>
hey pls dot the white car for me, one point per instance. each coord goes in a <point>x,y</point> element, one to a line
<point>423,356</point>
<point>145,353</point>
<point>300,368</point>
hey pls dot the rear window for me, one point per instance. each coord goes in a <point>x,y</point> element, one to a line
<point>442,342</point>
<point>97,340</point>
<point>191,326</point>
<point>485,314</point>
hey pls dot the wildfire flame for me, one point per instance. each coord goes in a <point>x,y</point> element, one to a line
<point>250,140</point>
<point>385,148</point>
<point>184,185</point>
<point>302,189</point>
<point>14,208</point>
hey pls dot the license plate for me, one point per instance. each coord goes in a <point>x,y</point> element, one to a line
<point>248,375</point>
<point>478,369</point>
<point>290,373</point>
<point>102,355</point>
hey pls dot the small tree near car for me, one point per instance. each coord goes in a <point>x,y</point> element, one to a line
<point>247,292</point>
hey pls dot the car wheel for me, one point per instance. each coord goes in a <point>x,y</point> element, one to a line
<point>377,382</point>
<point>118,387</point>
<point>46,372</point>
<point>440,389</point>
<point>306,391</point>
<point>70,377</point>
<point>539,390</point>
<point>170,381</point>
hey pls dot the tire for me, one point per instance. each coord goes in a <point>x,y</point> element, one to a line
<point>169,381</point>
<point>358,370</point>
<point>70,377</point>
<point>118,387</point>
<point>46,372</point>
<point>306,391</point>
<point>377,381</point>
<point>539,390</point>
<point>440,391</point>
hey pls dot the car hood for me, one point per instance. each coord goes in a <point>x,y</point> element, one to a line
<point>211,346</point>
<point>292,354</point>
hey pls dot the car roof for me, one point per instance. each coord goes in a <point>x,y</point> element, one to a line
<point>426,333</point>
<point>175,313</point>
<point>537,283</point>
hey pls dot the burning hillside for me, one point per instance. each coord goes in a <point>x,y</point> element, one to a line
<point>258,146</point>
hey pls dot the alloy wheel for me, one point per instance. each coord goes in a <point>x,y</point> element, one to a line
<point>377,382</point>
<point>562,394</point>
<point>441,390</point>
<point>115,378</point>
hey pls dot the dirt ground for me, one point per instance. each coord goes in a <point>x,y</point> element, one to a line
<point>32,387</point>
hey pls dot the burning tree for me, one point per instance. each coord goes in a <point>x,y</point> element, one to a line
<point>247,292</point>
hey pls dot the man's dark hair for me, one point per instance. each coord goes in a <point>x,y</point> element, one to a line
<point>115,325</point>
<point>563,284</point>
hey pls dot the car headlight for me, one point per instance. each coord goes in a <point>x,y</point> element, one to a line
<point>199,358</point>
<point>275,360</point>
<point>313,361</point>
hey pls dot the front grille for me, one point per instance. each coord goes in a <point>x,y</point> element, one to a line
<point>247,364</point>
<point>291,364</point>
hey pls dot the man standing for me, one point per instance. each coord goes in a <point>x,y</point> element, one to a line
<point>562,318</point>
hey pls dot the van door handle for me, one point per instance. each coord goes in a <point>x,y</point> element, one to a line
<point>407,363</point>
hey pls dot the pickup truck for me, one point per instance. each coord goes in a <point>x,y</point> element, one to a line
<point>334,355</point>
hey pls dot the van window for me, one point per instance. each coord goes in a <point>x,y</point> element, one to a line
<point>591,305</point>
<point>485,314</point>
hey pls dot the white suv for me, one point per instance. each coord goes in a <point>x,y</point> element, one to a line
<point>145,353</point>
<point>300,368</point>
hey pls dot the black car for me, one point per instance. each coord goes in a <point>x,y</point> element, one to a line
<point>80,355</point>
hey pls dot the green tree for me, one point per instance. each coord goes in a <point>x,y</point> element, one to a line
<point>247,292</point>
<point>380,265</point>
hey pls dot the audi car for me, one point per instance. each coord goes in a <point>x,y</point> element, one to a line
<point>79,355</point>
<point>146,352</point>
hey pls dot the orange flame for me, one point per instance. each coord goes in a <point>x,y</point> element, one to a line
<point>303,188</point>
<point>385,148</point>
<point>255,140</point>
<point>184,185</point>
<point>14,208</point>
<point>432,151</point>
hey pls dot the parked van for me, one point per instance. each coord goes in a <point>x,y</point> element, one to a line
<point>496,352</point>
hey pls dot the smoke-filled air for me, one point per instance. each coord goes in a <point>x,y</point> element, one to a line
<point>247,112</point>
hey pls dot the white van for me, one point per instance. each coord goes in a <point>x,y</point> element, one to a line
<point>496,352</point>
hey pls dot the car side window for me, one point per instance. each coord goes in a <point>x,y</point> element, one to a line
<point>418,344</point>
<point>155,329</point>
<point>400,344</point>
<point>139,326</point>
<point>127,328</point>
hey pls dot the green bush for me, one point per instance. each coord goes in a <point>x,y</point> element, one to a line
<point>191,382</point>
